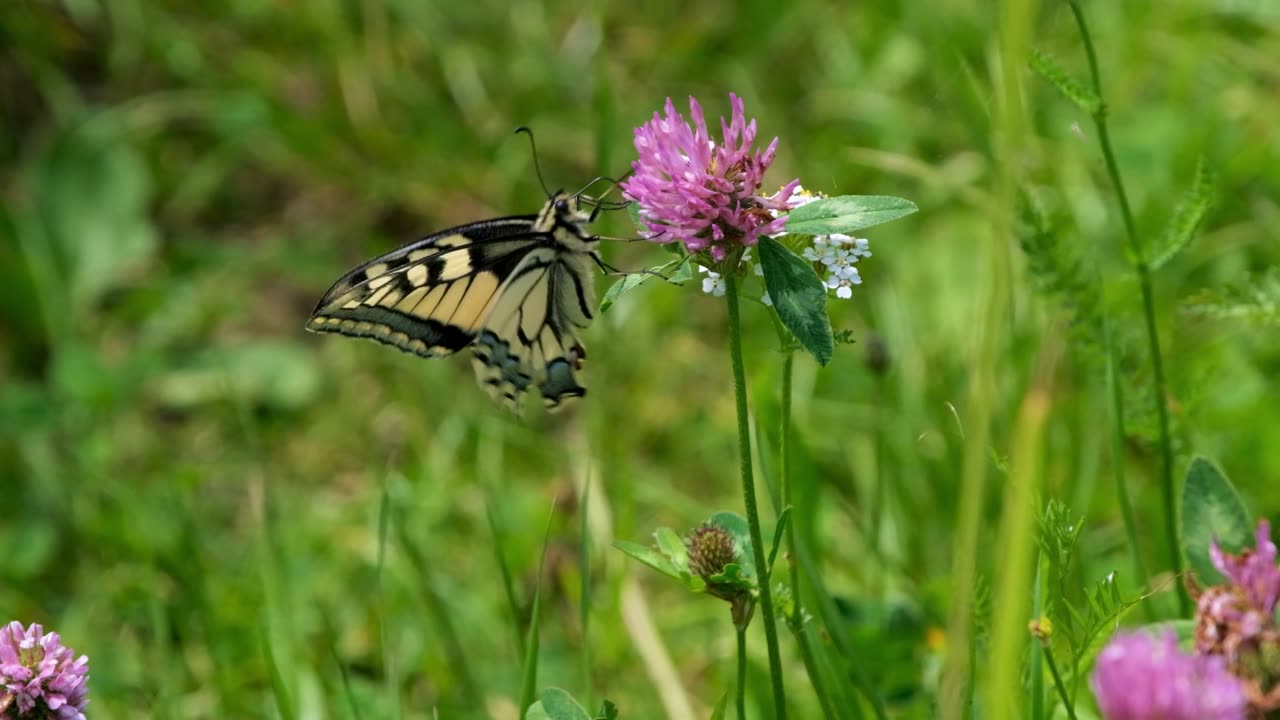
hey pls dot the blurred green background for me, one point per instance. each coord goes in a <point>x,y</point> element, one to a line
<point>222,510</point>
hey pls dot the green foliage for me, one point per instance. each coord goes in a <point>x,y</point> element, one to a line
<point>1187,216</point>
<point>556,704</point>
<point>799,297</point>
<point>846,214</point>
<point>529,668</point>
<point>1080,621</point>
<point>1211,511</point>
<point>675,272</point>
<point>1058,271</point>
<point>1253,301</point>
<point>1049,69</point>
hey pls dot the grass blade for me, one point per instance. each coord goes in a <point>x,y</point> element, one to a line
<point>529,671</point>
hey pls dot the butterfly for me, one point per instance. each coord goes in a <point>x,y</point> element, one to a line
<point>516,290</point>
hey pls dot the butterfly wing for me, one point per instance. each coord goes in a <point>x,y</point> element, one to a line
<point>530,335</point>
<point>430,297</point>
<point>499,285</point>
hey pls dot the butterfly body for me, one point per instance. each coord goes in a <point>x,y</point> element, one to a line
<point>515,289</point>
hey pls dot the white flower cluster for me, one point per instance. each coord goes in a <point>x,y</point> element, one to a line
<point>838,254</point>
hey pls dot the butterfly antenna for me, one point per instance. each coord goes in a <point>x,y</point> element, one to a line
<point>533,146</point>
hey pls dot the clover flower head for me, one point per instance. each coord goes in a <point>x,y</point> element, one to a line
<point>1139,676</point>
<point>711,548</point>
<point>1253,571</point>
<point>39,676</point>
<point>700,192</point>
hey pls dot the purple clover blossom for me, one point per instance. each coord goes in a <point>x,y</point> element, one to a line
<point>700,192</point>
<point>38,677</point>
<point>1253,571</point>
<point>1142,677</point>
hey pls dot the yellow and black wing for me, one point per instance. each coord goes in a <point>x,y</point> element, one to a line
<point>529,337</point>
<point>502,286</point>
<point>430,297</point>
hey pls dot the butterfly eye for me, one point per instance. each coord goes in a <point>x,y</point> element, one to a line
<point>562,207</point>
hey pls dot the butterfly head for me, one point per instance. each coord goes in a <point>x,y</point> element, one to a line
<point>564,218</point>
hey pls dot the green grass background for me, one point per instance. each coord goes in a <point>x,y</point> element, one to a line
<point>234,518</point>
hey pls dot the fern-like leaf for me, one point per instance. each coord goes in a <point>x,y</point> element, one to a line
<point>1255,301</point>
<point>1187,216</point>
<point>1049,69</point>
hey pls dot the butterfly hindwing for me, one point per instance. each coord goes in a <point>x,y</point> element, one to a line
<point>529,338</point>
<point>515,289</point>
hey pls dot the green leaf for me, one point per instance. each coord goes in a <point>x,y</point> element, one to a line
<point>683,274</point>
<point>1049,69</point>
<point>1211,509</point>
<point>846,213</point>
<point>732,577</point>
<point>799,297</point>
<point>608,711</point>
<point>556,704</point>
<point>1252,299</point>
<point>631,281</point>
<point>1187,216</point>
<point>670,557</point>
<point>649,556</point>
<point>672,545</point>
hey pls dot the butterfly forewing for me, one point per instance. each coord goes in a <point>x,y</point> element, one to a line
<point>515,289</point>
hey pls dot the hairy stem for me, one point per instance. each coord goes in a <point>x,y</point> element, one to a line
<point>740,690</point>
<point>1148,308</point>
<point>749,497</point>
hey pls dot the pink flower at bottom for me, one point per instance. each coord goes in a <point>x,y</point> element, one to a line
<point>1254,570</point>
<point>1139,676</point>
<point>38,677</point>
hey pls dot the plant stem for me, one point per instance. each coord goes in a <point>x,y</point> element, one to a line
<point>1117,465</point>
<point>796,621</point>
<point>1037,650</point>
<point>1057,682</point>
<point>749,497</point>
<point>784,470</point>
<point>740,690</point>
<point>1148,308</point>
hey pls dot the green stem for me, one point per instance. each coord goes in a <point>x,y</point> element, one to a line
<point>749,497</point>
<point>1117,465</point>
<point>1148,308</point>
<point>784,469</point>
<point>1057,682</point>
<point>1037,676</point>
<point>740,690</point>
<point>796,621</point>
